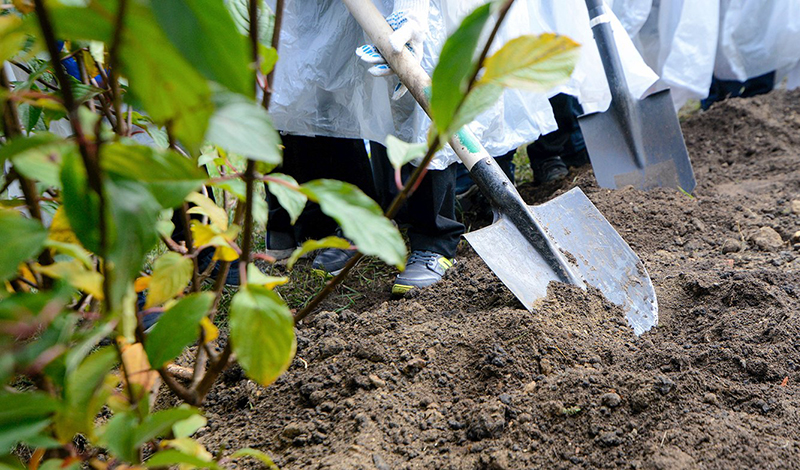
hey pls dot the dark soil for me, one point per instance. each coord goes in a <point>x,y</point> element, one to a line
<point>458,376</point>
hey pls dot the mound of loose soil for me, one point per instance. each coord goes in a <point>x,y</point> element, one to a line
<point>458,376</point>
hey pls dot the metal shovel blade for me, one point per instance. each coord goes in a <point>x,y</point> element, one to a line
<point>665,159</point>
<point>595,251</point>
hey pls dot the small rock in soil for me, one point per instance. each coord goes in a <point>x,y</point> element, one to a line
<point>609,439</point>
<point>796,237</point>
<point>664,385</point>
<point>529,387</point>
<point>377,381</point>
<point>611,400</point>
<point>731,246</point>
<point>293,430</point>
<point>380,464</point>
<point>414,365</point>
<point>710,398</point>
<point>796,206</point>
<point>767,239</point>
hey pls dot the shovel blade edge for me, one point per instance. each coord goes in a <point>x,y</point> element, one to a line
<point>590,244</point>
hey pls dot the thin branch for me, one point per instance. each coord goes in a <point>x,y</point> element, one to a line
<point>217,367</point>
<point>113,64</point>
<point>190,249</point>
<point>276,39</point>
<point>29,71</point>
<point>504,8</point>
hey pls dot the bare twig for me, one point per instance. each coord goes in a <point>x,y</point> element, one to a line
<point>190,249</point>
<point>276,39</point>
<point>113,63</point>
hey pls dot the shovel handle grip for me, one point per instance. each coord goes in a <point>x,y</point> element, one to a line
<point>412,75</point>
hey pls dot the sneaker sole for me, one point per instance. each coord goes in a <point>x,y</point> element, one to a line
<point>401,289</point>
<point>326,274</point>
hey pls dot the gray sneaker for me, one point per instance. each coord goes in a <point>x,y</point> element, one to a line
<point>423,269</point>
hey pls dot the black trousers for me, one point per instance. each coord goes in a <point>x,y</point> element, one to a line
<point>310,158</point>
<point>568,139</point>
<point>429,215</point>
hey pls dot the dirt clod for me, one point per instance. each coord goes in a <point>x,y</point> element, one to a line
<point>767,239</point>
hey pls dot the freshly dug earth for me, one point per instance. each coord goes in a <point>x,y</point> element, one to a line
<point>458,376</point>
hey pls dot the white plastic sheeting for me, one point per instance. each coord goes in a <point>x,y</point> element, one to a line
<point>688,41</point>
<point>758,37</point>
<point>678,39</point>
<point>322,89</point>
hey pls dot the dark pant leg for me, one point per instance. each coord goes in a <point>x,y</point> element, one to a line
<point>430,212</point>
<point>567,139</point>
<point>310,158</point>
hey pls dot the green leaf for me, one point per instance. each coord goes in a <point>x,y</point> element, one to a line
<point>257,278</point>
<point>160,78</point>
<point>481,98</point>
<point>22,145</point>
<point>240,13</point>
<point>262,332</point>
<point>77,414</point>
<point>13,433</point>
<point>17,407</point>
<point>256,454</point>
<point>243,127</point>
<point>177,328</point>
<point>312,245</point>
<point>169,176</point>
<point>456,65</point>
<point>12,37</point>
<point>269,57</point>
<point>188,426</point>
<point>118,436</point>
<point>132,233</point>
<point>11,462</point>
<point>290,199</point>
<point>80,203</point>
<point>59,464</point>
<point>22,238</point>
<point>400,152</point>
<point>174,457</point>
<point>205,34</point>
<point>361,219</point>
<point>159,424</point>
<point>535,63</point>
<point>171,274</point>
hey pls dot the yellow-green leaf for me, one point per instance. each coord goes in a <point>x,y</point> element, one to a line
<point>207,207</point>
<point>535,63</point>
<point>313,245</point>
<point>171,274</point>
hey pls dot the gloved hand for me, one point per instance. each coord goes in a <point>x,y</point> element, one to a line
<point>409,20</point>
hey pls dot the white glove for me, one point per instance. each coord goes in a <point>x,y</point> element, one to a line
<point>409,20</point>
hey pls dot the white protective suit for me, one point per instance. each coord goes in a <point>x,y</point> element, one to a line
<point>687,41</point>
<point>758,37</point>
<point>321,88</point>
